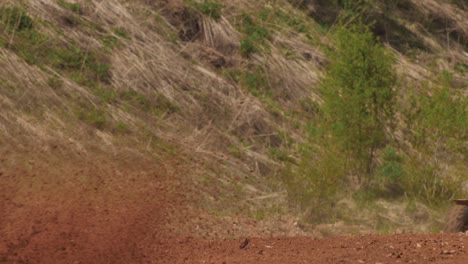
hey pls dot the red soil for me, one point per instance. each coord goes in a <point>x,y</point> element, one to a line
<point>126,211</point>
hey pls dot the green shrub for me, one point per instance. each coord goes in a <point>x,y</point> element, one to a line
<point>359,95</point>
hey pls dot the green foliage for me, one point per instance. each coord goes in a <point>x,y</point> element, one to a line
<point>444,115</point>
<point>392,165</point>
<point>84,67</point>
<point>74,7</point>
<point>15,19</point>
<point>211,8</point>
<point>438,122</point>
<point>358,89</point>
<point>255,37</point>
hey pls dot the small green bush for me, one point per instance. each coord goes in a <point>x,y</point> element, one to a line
<point>359,95</point>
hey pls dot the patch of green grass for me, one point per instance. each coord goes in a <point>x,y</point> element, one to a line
<point>105,94</point>
<point>74,7</point>
<point>87,67</point>
<point>211,8</point>
<point>93,116</point>
<point>110,41</point>
<point>15,19</point>
<point>255,37</point>
<point>252,79</point>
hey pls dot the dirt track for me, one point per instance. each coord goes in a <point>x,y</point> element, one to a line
<point>135,214</point>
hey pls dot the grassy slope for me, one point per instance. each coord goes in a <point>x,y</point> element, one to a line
<point>235,85</point>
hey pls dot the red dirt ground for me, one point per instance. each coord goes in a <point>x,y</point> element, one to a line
<point>124,211</point>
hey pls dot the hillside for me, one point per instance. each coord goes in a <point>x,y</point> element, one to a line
<point>222,104</point>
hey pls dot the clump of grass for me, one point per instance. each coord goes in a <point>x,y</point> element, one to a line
<point>255,37</point>
<point>211,8</point>
<point>93,116</point>
<point>15,19</point>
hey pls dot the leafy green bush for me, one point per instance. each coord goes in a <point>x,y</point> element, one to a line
<point>359,94</point>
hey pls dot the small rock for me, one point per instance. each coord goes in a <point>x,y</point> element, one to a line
<point>418,245</point>
<point>361,261</point>
<point>244,243</point>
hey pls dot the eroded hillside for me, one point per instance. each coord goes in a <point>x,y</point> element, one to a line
<point>231,90</point>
